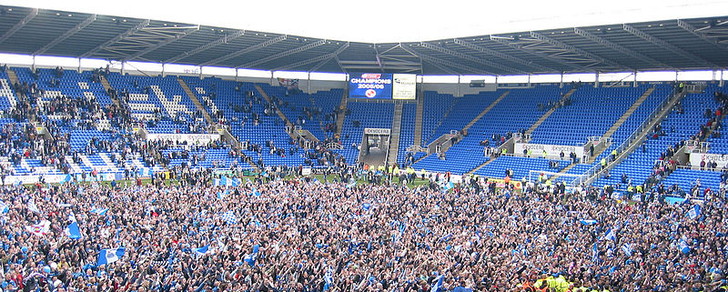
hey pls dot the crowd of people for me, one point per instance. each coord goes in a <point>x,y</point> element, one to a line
<point>305,235</point>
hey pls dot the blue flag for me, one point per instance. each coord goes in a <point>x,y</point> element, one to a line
<point>694,212</point>
<point>682,245</point>
<point>588,222</point>
<point>72,231</point>
<point>438,284</point>
<point>202,250</point>
<point>449,185</point>
<point>595,252</point>
<point>627,249</point>
<point>250,259</point>
<point>66,178</point>
<point>328,279</point>
<point>229,217</point>
<point>611,235</point>
<point>109,255</point>
<point>4,208</point>
<point>100,211</point>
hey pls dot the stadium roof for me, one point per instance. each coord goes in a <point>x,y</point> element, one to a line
<point>676,44</point>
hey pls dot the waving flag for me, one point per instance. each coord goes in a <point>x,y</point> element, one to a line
<point>32,206</point>
<point>588,222</point>
<point>627,249</point>
<point>694,212</point>
<point>109,255</point>
<point>255,193</point>
<point>4,208</point>
<point>682,245</point>
<point>438,284</point>
<point>229,217</point>
<point>328,279</point>
<point>202,250</point>
<point>40,229</point>
<point>250,259</point>
<point>66,178</point>
<point>449,185</point>
<point>72,231</point>
<point>100,211</point>
<point>611,235</point>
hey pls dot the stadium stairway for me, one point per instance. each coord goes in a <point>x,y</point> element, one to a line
<point>395,134</point>
<point>418,121</point>
<point>623,118</point>
<point>107,87</point>
<point>548,113</point>
<point>485,111</point>
<point>613,129</point>
<point>342,114</point>
<point>195,100</point>
<point>640,136</point>
<point>480,166</point>
<point>279,112</point>
<point>12,76</point>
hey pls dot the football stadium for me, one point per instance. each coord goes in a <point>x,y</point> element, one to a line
<point>555,146</point>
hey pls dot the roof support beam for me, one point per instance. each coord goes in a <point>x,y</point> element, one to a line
<point>122,36</point>
<point>169,40</point>
<point>283,54</point>
<point>575,50</point>
<point>503,56</point>
<point>618,48</point>
<point>700,33</point>
<point>472,59</point>
<point>678,51</point>
<point>437,62</point>
<point>323,59</point>
<point>247,50</point>
<point>335,54</point>
<point>514,44</point>
<point>66,35</point>
<point>33,13</point>
<point>210,45</point>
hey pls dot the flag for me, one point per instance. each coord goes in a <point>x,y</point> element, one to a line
<point>351,184</point>
<point>255,193</point>
<point>32,206</point>
<point>250,259</point>
<point>202,250</point>
<point>229,217</point>
<point>588,222</point>
<point>235,182</point>
<point>146,172</point>
<point>228,182</point>
<point>328,279</point>
<point>366,206</point>
<point>462,289</point>
<point>72,231</point>
<point>66,178</point>
<point>222,194</point>
<point>438,284</point>
<point>4,208</point>
<point>109,255</point>
<point>449,185</point>
<point>682,245</point>
<point>42,228</point>
<point>627,249</point>
<point>100,211</point>
<point>694,212</point>
<point>611,235</point>
<point>595,252</point>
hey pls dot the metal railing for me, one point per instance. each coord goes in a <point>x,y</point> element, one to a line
<point>635,138</point>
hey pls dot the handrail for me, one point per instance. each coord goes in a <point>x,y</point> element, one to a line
<point>597,169</point>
